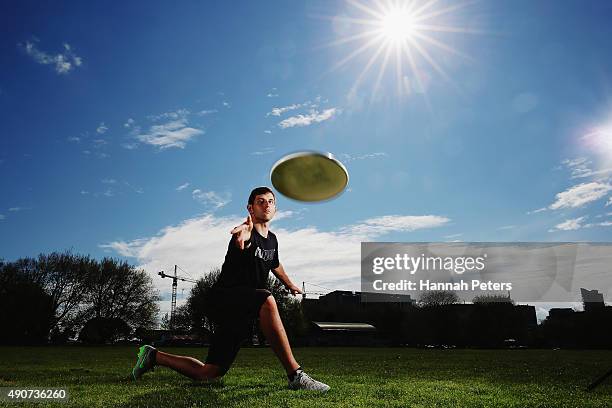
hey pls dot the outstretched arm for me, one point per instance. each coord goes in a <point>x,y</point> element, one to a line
<point>282,275</point>
<point>242,232</point>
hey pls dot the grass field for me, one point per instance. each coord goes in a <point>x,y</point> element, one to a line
<point>369,377</point>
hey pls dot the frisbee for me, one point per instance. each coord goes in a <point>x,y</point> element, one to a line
<point>309,176</point>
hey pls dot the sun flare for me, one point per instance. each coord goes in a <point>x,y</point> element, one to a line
<point>401,33</point>
<point>398,25</point>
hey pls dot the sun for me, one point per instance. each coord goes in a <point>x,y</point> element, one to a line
<point>404,36</point>
<point>398,25</point>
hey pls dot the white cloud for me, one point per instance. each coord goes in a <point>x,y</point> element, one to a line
<point>172,134</point>
<point>570,225</point>
<point>2,217</point>
<point>102,128</point>
<point>609,201</point>
<point>129,146</point>
<point>389,223</point>
<point>227,104</point>
<point>172,115</point>
<point>75,139</point>
<point>63,62</point>
<point>129,123</point>
<point>206,112</point>
<point>108,181</point>
<point>507,227</point>
<point>182,187</point>
<point>580,195</point>
<point>280,111</point>
<point>267,132</point>
<point>581,168</point>
<point>331,259</point>
<point>306,120</point>
<point>265,150</point>
<point>211,198</point>
<point>348,157</point>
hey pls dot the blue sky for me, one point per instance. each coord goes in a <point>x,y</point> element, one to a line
<point>137,130</point>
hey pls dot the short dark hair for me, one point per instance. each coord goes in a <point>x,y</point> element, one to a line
<point>258,191</point>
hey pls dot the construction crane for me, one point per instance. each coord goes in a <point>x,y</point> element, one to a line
<point>175,279</point>
<point>304,293</point>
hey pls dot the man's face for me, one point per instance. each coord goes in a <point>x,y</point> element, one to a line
<point>263,207</point>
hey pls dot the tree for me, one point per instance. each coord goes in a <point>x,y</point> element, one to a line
<point>485,299</point>
<point>197,306</point>
<point>64,278</point>
<point>26,310</point>
<point>101,330</point>
<point>438,298</point>
<point>117,290</point>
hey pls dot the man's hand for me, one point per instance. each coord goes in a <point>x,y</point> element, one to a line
<point>242,233</point>
<point>294,289</point>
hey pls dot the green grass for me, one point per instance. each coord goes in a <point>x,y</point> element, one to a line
<point>368,377</point>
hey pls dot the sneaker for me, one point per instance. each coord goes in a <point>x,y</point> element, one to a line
<point>145,362</point>
<point>303,381</point>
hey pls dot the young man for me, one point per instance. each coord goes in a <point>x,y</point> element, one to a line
<point>237,299</point>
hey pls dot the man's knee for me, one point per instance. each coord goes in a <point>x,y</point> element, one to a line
<point>210,372</point>
<point>269,305</point>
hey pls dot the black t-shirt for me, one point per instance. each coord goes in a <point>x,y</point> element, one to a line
<point>249,267</point>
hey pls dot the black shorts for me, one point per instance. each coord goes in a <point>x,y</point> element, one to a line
<point>233,310</point>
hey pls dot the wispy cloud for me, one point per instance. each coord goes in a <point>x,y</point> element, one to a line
<point>172,134</point>
<point>306,120</point>
<point>273,93</point>
<point>581,167</point>
<point>227,104</point>
<point>102,128</point>
<point>390,223</point>
<point>281,110</point>
<point>17,209</point>
<point>171,115</point>
<point>2,217</point>
<point>182,187</point>
<point>206,112</point>
<point>581,194</point>
<point>108,181</point>
<point>211,199</point>
<point>578,223</point>
<point>63,62</point>
<point>349,157</point>
<point>265,150</point>
<point>570,225</point>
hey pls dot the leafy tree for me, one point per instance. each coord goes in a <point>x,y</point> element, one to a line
<point>117,290</point>
<point>26,310</point>
<point>101,330</point>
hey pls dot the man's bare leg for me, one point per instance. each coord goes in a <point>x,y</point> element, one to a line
<point>188,366</point>
<point>272,327</point>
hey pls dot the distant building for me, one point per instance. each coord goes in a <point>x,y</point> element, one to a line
<point>592,299</point>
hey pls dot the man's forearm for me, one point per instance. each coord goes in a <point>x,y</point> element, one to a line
<point>282,275</point>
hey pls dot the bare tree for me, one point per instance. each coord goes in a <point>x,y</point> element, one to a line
<point>438,298</point>
<point>485,299</point>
